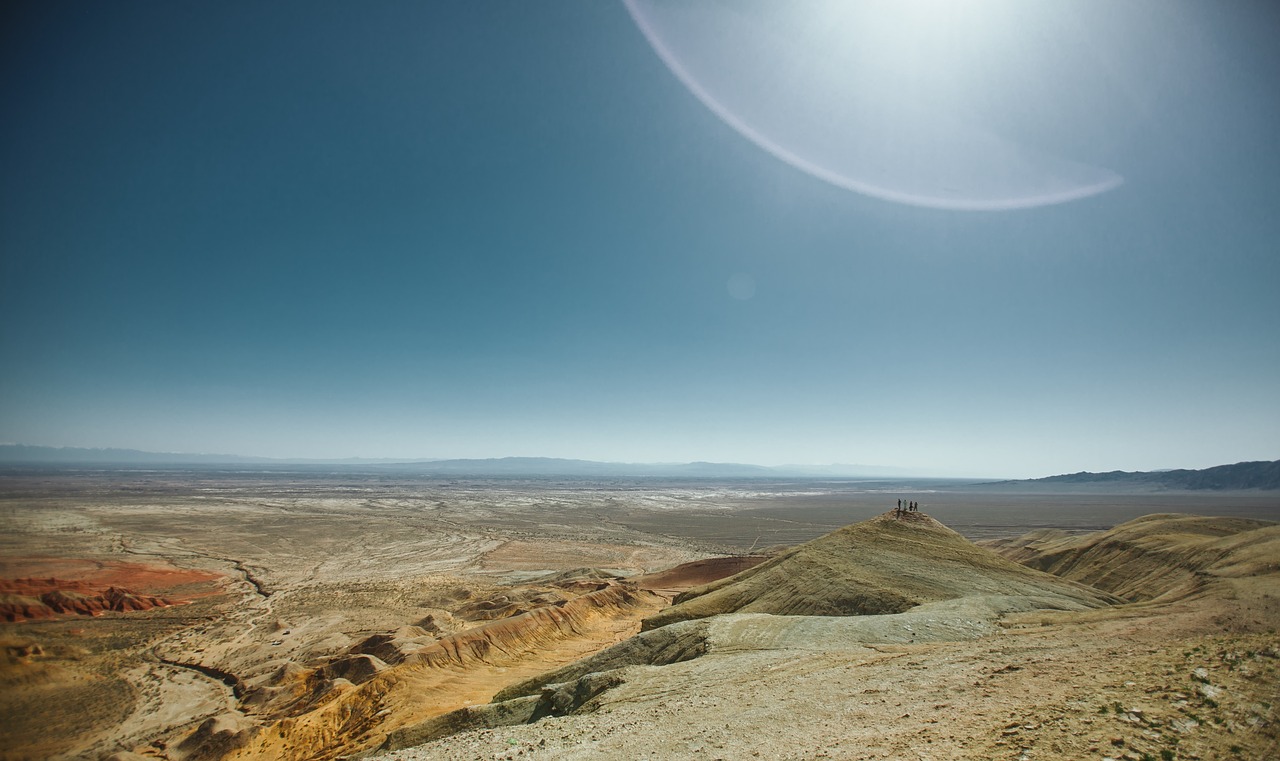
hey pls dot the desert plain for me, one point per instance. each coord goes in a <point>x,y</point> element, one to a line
<point>313,613</point>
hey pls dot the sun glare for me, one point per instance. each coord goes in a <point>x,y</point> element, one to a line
<point>882,98</point>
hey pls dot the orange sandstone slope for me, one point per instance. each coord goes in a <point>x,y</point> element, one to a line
<point>350,703</point>
<point>888,564</point>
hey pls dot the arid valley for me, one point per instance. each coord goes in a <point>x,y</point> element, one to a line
<point>207,613</point>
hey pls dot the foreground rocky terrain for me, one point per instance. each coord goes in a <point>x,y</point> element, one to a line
<point>326,619</point>
<point>1190,671</point>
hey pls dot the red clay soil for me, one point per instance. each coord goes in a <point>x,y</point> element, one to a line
<point>89,587</point>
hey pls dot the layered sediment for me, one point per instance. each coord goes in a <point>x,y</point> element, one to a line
<point>353,700</point>
<point>30,599</point>
<point>1156,557</point>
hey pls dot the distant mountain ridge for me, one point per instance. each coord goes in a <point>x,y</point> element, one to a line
<point>554,466</point>
<point>28,454</point>
<point>1261,475</point>
<point>23,454</point>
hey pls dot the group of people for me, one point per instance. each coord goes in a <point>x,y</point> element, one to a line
<point>909,507</point>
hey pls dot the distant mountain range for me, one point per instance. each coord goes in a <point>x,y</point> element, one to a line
<point>22,454</point>
<point>34,455</point>
<point>552,466</point>
<point>1244,475</point>
<point>1262,475</point>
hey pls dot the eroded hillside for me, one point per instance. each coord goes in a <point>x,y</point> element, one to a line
<point>1160,557</point>
<point>888,564</point>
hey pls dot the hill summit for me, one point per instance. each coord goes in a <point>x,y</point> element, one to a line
<point>888,564</point>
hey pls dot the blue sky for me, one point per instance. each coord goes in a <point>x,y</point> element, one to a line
<point>490,229</point>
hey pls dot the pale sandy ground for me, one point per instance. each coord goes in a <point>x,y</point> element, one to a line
<point>305,574</point>
<point>331,564</point>
<point>1041,687</point>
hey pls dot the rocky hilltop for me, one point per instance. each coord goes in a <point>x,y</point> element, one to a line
<point>888,564</point>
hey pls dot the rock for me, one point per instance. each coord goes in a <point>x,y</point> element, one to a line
<point>27,599</point>
<point>884,565</point>
<point>216,737</point>
<point>356,669</point>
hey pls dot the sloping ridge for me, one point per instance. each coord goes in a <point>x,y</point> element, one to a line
<point>888,564</point>
<point>1165,556</point>
<point>363,697</point>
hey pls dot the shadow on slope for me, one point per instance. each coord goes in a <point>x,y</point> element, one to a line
<point>1163,557</point>
<point>346,703</point>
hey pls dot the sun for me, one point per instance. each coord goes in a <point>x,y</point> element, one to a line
<point>882,98</point>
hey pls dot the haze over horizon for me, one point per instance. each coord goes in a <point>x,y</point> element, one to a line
<point>585,231</point>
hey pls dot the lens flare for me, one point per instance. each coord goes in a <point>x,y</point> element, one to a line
<point>877,98</point>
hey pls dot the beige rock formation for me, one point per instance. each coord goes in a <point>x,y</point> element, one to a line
<point>888,564</point>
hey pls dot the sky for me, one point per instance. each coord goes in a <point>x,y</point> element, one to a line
<point>987,239</point>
